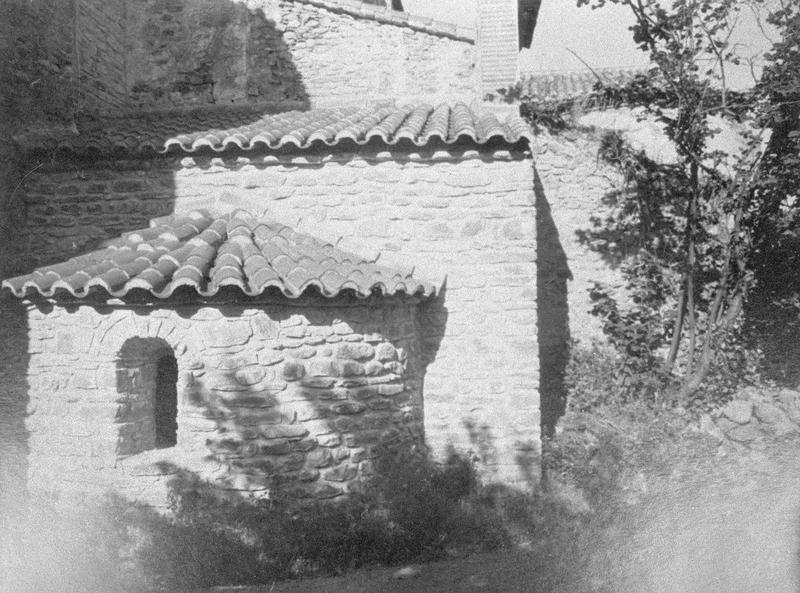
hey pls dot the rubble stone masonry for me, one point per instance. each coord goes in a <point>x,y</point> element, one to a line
<point>100,56</point>
<point>274,398</point>
<point>465,220</point>
<point>573,183</point>
<point>470,217</point>
<point>318,53</point>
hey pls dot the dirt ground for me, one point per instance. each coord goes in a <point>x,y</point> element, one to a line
<point>732,529</point>
<point>508,571</point>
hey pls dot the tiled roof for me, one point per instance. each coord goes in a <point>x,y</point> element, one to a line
<point>206,253</point>
<point>556,86</point>
<point>247,128</point>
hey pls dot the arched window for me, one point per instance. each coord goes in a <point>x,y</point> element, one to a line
<point>147,377</point>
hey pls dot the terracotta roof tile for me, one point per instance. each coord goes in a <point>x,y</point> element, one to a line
<point>557,86</point>
<point>248,128</point>
<point>206,253</point>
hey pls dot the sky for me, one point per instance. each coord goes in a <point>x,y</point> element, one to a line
<point>608,45</point>
<point>461,12</point>
<point>599,37</point>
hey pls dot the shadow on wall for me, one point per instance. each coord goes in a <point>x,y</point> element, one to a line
<point>183,54</point>
<point>14,360</point>
<point>552,274</point>
<point>298,413</point>
<point>641,214</point>
<point>433,316</point>
<point>36,67</point>
<point>180,54</point>
<point>771,321</point>
<point>484,452</point>
<point>195,52</point>
<point>37,92</point>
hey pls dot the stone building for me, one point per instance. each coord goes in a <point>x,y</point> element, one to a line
<point>348,121</point>
<point>447,190</point>
<point>230,349</point>
<point>67,63</point>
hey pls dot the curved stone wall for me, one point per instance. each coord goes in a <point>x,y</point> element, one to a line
<point>274,399</point>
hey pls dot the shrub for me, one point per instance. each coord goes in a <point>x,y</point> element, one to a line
<point>413,510</point>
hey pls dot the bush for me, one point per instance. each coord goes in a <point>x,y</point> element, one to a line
<point>598,375</point>
<point>413,510</point>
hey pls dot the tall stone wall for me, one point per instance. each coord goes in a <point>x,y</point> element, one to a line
<point>183,52</point>
<point>36,89</point>
<point>100,56</point>
<point>465,217</point>
<point>280,399</point>
<point>103,57</point>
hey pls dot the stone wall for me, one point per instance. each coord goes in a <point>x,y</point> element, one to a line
<point>754,418</point>
<point>574,182</point>
<point>71,209</point>
<point>100,56</point>
<point>36,88</point>
<point>96,57</point>
<point>279,399</point>
<point>38,73</point>
<point>468,217</point>
<point>183,52</point>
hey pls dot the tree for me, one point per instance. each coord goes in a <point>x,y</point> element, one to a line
<point>729,210</point>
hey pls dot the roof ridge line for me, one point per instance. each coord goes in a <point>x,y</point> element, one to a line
<point>299,131</point>
<point>401,19</point>
<point>132,265</point>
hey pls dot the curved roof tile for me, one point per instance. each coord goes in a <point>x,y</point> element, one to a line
<point>205,253</point>
<point>563,85</point>
<point>250,128</point>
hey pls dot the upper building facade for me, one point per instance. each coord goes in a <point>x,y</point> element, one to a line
<point>110,57</point>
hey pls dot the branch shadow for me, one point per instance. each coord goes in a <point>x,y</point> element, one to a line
<point>642,213</point>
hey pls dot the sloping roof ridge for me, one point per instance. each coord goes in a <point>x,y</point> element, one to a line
<point>386,15</point>
<point>584,71</point>
<point>417,123</point>
<point>206,253</point>
<point>573,83</point>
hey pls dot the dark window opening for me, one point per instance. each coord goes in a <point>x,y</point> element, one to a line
<point>165,408</point>
<point>147,394</point>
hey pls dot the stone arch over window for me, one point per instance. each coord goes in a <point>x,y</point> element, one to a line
<point>147,391</point>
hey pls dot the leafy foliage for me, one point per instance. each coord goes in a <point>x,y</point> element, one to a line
<point>695,239</point>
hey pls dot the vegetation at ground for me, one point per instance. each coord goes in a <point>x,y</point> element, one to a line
<point>707,244</point>
<point>612,473</point>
